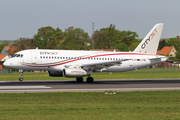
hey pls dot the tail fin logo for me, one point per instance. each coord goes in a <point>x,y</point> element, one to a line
<point>146,41</point>
<point>153,33</point>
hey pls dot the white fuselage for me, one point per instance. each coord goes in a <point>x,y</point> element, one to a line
<point>57,60</point>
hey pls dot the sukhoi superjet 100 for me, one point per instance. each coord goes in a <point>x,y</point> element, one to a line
<point>78,63</point>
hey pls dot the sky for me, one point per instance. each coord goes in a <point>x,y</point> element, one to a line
<point>22,18</point>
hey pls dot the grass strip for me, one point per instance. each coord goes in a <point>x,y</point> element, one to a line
<point>90,105</point>
<point>97,76</point>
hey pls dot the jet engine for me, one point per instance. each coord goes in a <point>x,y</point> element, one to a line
<point>55,74</point>
<point>76,72</point>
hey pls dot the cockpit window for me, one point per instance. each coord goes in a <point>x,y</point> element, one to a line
<point>17,55</point>
<point>14,55</point>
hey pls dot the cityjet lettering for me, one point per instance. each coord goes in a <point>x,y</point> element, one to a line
<point>48,53</point>
<point>146,42</point>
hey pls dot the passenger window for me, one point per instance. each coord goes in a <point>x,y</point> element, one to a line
<point>46,57</point>
<point>41,57</point>
<point>21,55</point>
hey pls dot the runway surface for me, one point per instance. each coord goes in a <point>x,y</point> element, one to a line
<point>98,85</point>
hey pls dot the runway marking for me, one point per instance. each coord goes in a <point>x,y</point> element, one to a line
<point>22,87</point>
<point>118,89</point>
<point>87,90</point>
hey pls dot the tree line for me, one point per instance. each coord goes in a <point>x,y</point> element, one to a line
<point>77,39</point>
<point>171,42</point>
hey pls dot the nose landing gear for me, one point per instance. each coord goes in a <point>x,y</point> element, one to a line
<point>21,73</point>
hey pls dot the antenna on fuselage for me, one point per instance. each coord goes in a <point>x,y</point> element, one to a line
<point>37,48</point>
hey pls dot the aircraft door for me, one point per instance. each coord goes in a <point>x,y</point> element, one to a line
<point>33,57</point>
<point>21,58</point>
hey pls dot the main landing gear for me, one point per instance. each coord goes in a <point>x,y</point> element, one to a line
<point>79,79</point>
<point>89,79</point>
<point>21,73</point>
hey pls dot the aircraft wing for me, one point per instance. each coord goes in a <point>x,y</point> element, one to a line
<point>98,66</point>
<point>156,58</point>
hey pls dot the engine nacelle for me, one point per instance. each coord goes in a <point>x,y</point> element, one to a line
<point>76,72</point>
<point>55,74</point>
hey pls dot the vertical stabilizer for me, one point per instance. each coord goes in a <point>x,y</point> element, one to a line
<point>150,43</point>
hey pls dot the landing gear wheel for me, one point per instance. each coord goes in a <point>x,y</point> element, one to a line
<point>21,73</point>
<point>79,79</point>
<point>20,79</point>
<point>90,79</point>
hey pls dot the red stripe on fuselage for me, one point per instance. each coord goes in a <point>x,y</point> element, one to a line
<point>89,57</point>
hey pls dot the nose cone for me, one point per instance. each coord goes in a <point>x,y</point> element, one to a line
<point>6,64</point>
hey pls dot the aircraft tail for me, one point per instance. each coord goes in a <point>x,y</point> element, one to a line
<point>150,43</point>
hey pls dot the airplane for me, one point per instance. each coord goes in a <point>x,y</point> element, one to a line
<point>78,63</point>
